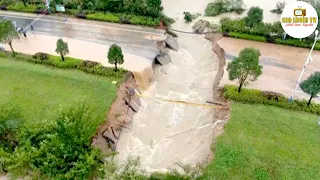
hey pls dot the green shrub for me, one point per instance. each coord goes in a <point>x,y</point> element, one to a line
<point>72,11</point>
<point>166,20</point>
<point>147,21</point>
<point>295,42</point>
<point>41,56</point>
<point>247,36</point>
<point>21,8</point>
<point>222,6</point>
<point>61,150</point>
<point>70,63</point>
<point>108,17</point>
<point>187,17</point>
<point>252,96</point>
<point>216,8</point>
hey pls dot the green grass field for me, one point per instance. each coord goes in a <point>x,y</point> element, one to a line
<point>265,142</point>
<point>40,92</point>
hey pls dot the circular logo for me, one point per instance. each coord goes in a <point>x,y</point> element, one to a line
<point>299,19</point>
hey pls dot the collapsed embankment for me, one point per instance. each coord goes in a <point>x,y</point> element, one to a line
<point>163,133</point>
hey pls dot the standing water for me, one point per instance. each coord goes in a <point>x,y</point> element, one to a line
<point>155,134</point>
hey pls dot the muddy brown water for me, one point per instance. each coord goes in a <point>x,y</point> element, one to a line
<point>281,64</point>
<point>162,133</point>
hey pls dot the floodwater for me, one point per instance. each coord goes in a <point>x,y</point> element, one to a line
<point>162,133</point>
<point>136,58</point>
<point>281,64</point>
<point>175,9</point>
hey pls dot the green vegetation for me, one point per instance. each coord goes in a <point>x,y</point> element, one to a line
<point>69,63</point>
<point>54,136</point>
<point>62,48</point>
<point>247,36</point>
<point>263,32</point>
<point>188,17</point>
<point>311,86</point>
<point>279,7</point>
<point>8,33</point>
<point>140,12</point>
<point>223,6</point>
<point>252,96</point>
<point>246,67</point>
<point>255,16</point>
<point>265,142</point>
<point>115,56</point>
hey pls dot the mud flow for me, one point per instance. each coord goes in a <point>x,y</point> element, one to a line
<point>164,133</point>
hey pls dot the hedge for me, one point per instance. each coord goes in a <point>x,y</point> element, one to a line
<point>124,18</point>
<point>91,15</point>
<point>247,36</point>
<point>263,32</point>
<point>69,63</point>
<point>108,17</point>
<point>252,96</point>
<point>298,43</point>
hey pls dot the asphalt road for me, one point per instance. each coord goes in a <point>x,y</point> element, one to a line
<point>136,39</point>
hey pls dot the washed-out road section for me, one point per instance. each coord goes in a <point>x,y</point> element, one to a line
<point>88,40</point>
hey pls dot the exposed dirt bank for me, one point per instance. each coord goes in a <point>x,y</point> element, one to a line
<point>120,114</point>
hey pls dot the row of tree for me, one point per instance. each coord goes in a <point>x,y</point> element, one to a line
<point>246,68</point>
<point>8,34</point>
<point>150,8</point>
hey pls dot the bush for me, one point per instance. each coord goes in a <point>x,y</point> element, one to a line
<point>108,17</point>
<point>125,19</point>
<point>88,64</point>
<point>3,7</point>
<point>216,8</point>
<point>148,21</point>
<point>247,36</point>
<point>19,7</point>
<point>187,17</point>
<point>295,42</point>
<point>41,56</point>
<point>252,96</point>
<point>166,20</point>
<point>81,15</point>
<point>223,6</point>
<point>263,32</point>
<point>69,63</point>
<point>61,150</point>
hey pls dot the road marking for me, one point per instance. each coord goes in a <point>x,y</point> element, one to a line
<point>79,24</point>
<point>109,42</point>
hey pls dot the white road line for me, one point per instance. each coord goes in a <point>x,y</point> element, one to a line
<point>79,24</point>
<point>109,42</point>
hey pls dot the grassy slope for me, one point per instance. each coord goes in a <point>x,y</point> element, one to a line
<point>41,91</point>
<point>264,142</point>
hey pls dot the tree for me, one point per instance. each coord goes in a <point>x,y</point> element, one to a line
<point>187,17</point>
<point>255,15</point>
<point>115,56</point>
<point>311,86</point>
<point>245,67</point>
<point>8,33</point>
<point>154,8</point>
<point>62,48</point>
<point>279,7</point>
<point>24,3</point>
